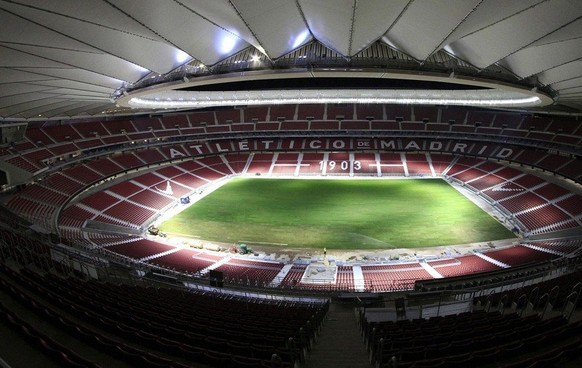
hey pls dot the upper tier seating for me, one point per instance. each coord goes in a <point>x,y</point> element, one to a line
<point>310,111</point>
<point>91,135</point>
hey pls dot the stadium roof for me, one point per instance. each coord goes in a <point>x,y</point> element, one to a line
<point>70,58</point>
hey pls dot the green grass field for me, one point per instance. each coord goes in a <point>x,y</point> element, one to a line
<point>337,214</point>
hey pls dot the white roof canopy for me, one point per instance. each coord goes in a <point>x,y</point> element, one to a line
<point>65,58</point>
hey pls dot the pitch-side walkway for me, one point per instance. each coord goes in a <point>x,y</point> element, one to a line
<point>340,344</point>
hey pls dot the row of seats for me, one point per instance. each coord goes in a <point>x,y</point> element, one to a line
<point>554,291</point>
<point>121,163</point>
<point>562,247</point>
<point>469,339</point>
<point>53,136</point>
<point>519,255</point>
<point>464,265</point>
<point>485,121</point>
<point>249,272</point>
<point>393,277</point>
<point>187,260</point>
<point>136,347</point>
<point>525,196</point>
<point>168,319</point>
<point>55,351</point>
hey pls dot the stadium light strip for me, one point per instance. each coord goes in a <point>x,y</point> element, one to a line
<point>176,99</point>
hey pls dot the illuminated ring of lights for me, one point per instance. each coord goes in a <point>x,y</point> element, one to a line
<point>176,99</point>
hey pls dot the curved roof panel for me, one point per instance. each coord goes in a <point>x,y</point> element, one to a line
<point>66,58</point>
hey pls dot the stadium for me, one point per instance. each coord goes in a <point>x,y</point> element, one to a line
<point>290,183</point>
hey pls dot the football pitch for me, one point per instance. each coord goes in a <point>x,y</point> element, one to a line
<point>337,214</point>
